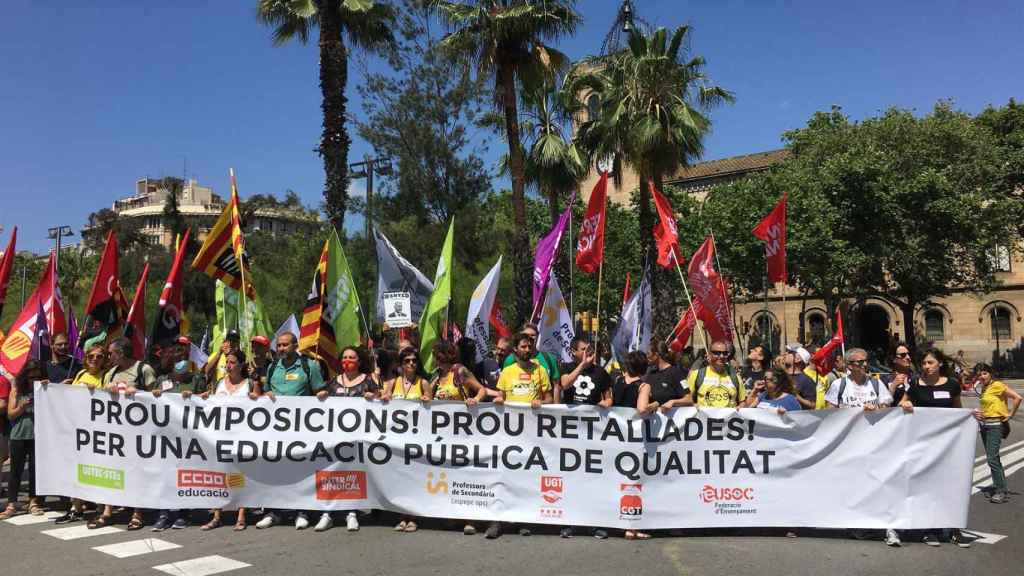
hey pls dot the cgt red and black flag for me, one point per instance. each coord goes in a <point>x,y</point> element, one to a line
<point>135,330</point>
<point>171,308</point>
<point>107,308</point>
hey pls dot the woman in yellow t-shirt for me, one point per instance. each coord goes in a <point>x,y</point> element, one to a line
<point>95,365</point>
<point>453,381</point>
<point>994,416</point>
<point>408,385</point>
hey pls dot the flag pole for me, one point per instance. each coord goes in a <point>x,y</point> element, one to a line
<point>785,323</point>
<point>600,278</point>
<point>572,285</point>
<point>689,300</point>
<point>721,272</point>
<point>245,344</point>
<point>766,314</point>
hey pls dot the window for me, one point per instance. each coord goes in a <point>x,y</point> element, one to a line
<point>1000,258</point>
<point>816,326</point>
<point>1000,318</point>
<point>153,222</point>
<point>933,328</point>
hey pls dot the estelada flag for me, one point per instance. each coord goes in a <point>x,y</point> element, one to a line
<point>309,328</point>
<point>825,358</point>
<point>6,264</point>
<point>135,330</point>
<point>772,231</point>
<point>590,247</point>
<point>665,232</point>
<point>223,255</point>
<point>107,308</point>
<point>709,291</point>
<point>171,308</point>
<point>16,347</point>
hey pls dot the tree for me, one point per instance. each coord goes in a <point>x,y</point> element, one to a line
<point>173,219</point>
<point>365,25</point>
<point>507,38</point>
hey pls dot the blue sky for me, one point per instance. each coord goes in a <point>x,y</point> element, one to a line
<point>96,94</point>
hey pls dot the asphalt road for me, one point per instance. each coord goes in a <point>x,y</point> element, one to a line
<point>36,550</point>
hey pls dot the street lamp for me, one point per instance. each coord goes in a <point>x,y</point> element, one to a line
<point>56,233</point>
<point>366,169</point>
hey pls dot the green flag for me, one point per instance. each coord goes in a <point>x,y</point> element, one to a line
<point>430,322</point>
<point>339,326</point>
<point>253,322</point>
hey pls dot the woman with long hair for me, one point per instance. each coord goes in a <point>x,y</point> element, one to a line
<point>903,373</point>
<point>22,437</point>
<point>627,392</point>
<point>408,384</point>
<point>774,392</point>
<point>994,417</point>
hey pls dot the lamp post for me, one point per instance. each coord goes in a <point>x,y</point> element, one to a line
<point>56,233</point>
<point>365,169</point>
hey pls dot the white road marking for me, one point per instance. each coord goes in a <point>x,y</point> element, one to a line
<point>201,566</point>
<point>1002,450</point>
<point>81,531</point>
<point>985,537</point>
<point>981,472</point>
<point>28,519</point>
<point>136,547</point>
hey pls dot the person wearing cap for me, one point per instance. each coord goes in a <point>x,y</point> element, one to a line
<point>214,369</point>
<point>261,359</point>
<point>795,362</point>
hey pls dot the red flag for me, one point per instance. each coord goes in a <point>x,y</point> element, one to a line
<point>456,332</point>
<point>107,306</point>
<point>16,346</point>
<point>498,321</point>
<point>772,231</point>
<point>824,359</point>
<point>135,330</point>
<point>684,329</point>
<point>625,292</point>
<point>6,264</point>
<point>709,290</point>
<point>590,248</point>
<point>665,232</point>
<point>171,306</point>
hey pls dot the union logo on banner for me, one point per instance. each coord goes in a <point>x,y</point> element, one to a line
<point>551,488</point>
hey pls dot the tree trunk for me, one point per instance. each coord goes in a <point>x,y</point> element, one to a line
<point>909,335</point>
<point>505,82</point>
<point>553,210</point>
<point>334,141</point>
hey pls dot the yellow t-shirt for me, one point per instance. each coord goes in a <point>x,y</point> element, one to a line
<point>415,390</point>
<point>522,386</point>
<point>445,389</point>
<point>83,378</point>
<point>717,390</point>
<point>820,386</point>
<point>993,401</point>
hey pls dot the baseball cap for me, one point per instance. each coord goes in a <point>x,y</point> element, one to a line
<point>801,352</point>
<point>262,340</point>
<point>183,340</point>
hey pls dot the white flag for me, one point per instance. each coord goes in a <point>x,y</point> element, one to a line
<point>198,355</point>
<point>634,330</point>
<point>555,332</point>
<point>478,321</point>
<point>289,325</point>
<point>396,274</point>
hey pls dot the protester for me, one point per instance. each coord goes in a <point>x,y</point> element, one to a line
<point>757,364</point>
<point>994,419</point>
<point>261,359</point>
<point>488,370</point>
<point>804,376</point>
<point>902,376</point>
<point>858,390</point>
<point>5,394</point>
<point>453,381</point>
<point>838,370</point>
<point>214,369</point>
<point>21,414</point>
<point>408,384</point>
<point>667,382</point>
<point>626,394</point>
<point>716,385</point>
<point>775,391</point>
<point>526,380</point>
<point>545,359</point>
<point>235,384</point>
<point>63,366</point>
<point>95,366</point>
<point>290,375</point>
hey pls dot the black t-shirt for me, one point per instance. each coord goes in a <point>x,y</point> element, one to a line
<point>934,396</point>
<point>589,386</point>
<point>898,393</point>
<point>487,372</point>
<point>625,395</point>
<point>667,384</point>
<point>805,387</point>
<point>750,376</point>
<point>61,371</point>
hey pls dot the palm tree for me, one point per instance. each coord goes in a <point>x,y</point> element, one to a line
<point>553,162</point>
<point>366,25</point>
<point>507,38</point>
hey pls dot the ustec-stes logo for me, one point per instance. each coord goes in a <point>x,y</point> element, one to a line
<point>631,503</point>
<point>710,494</point>
<point>207,483</point>
<point>340,485</point>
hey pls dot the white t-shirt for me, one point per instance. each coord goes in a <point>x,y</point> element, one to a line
<point>857,395</point>
<point>241,390</point>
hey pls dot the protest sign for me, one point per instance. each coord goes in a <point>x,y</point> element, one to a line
<point>397,309</point>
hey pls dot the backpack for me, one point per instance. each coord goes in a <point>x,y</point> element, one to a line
<point>702,371</point>
<point>140,381</point>
<point>305,368</point>
<point>845,381</point>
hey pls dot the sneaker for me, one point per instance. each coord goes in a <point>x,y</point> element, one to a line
<point>69,517</point>
<point>179,524</point>
<point>269,519</point>
<point>301,521</point>
<point>351,522</point>
<point>524,531</point>
<point>493,531</point>
<point>600,533</point>
<point>469,530</point>
<point>998,498</point>
<point>892,538</point>
<point>931,540</point>
<point>957,537</point>
<point>325,523</point>
<point>163,522</point>
<point>566,532</point>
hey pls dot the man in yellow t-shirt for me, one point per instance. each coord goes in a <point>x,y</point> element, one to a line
<point>525,380</point>
<point>716,385</point>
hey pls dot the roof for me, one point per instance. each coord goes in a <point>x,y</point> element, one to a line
<point>735,165</point>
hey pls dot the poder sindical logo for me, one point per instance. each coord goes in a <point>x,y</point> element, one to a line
<point>208,483</point>
<point>340,485</point>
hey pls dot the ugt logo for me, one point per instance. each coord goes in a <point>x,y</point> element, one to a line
<point>551,488</point>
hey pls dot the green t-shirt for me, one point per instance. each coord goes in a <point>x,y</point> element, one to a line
<point>546,360</point>
<point>22,426</point>
<point>292,381</point>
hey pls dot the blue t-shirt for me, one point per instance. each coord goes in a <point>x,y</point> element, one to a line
<point>787,401</point>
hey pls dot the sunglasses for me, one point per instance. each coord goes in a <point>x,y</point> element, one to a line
<point>858,362</point>
<point>408,360</point>
<point>719,352</point>
<point>903,355</point>
<point>94,356</point>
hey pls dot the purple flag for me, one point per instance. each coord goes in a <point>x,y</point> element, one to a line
<point>76,352</point>
<point>40,349</point>
<point>544,258</point>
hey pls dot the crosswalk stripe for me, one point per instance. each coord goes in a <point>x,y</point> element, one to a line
<point>28,519</point>
<point>1002,450</point>
<point>984,537</point>
<point>82,531</point>
<point>981,472</point>
<point>204,566</point>
<point>136,547</point>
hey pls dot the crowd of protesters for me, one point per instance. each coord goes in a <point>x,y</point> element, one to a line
<point>513,371</point>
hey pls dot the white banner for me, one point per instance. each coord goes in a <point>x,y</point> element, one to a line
<point>555,332</point>
<point>478,319</point>
<point>556,465</point>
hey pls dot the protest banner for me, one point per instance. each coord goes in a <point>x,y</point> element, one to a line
<point>397,309</point>
<point>556,465</point>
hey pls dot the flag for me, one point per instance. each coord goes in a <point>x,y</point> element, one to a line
<point>396,274</point>
<point>625,292</point>
<point>684,329</point>
<point>41,341</point>
<point>590,247</point>
<point>204,343</point>
<point>289,326</point>
<point>330,321</point>
<point>555,329</point>
<point>76,352</point>
<point>825,357</point>
<point>198,355</point>
<point>709,290</point>
<point>665,233</point>
<point>171,308</point>
<point>20,337</point>
<point>135,329</point>
<point>107,308</point>
<point>6,265</point>
<point>498,320</point>
<point>772,231</point>
<point>634,329</point>
<point>430,321</point>
<point>223,255</point>
<point>482,305</point>
<point>544,257</point>
<point>249,321</point>
<point>456,333</point>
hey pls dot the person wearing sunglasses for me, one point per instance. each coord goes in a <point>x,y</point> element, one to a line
<point>858,389</point>
<point>716,384</point>
<point>408,384</point>
<point>903,375</point>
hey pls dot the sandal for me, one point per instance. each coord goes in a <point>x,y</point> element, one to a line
<point>239,526</point>
<point>400,527</point>
<point>642,536</point>
<point>98,522</point>
<point>411,526</point>
<point>8,512</point>
<point>135,524</point>
<point>215,523</point>
<point>36,510</point>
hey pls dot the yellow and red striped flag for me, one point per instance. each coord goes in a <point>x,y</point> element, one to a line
<point>223,255</point>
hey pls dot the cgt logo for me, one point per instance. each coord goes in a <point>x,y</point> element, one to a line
<point>340,485</point>
<point>710,494</point>
<point>631,503</point>
<point>551,488</point>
